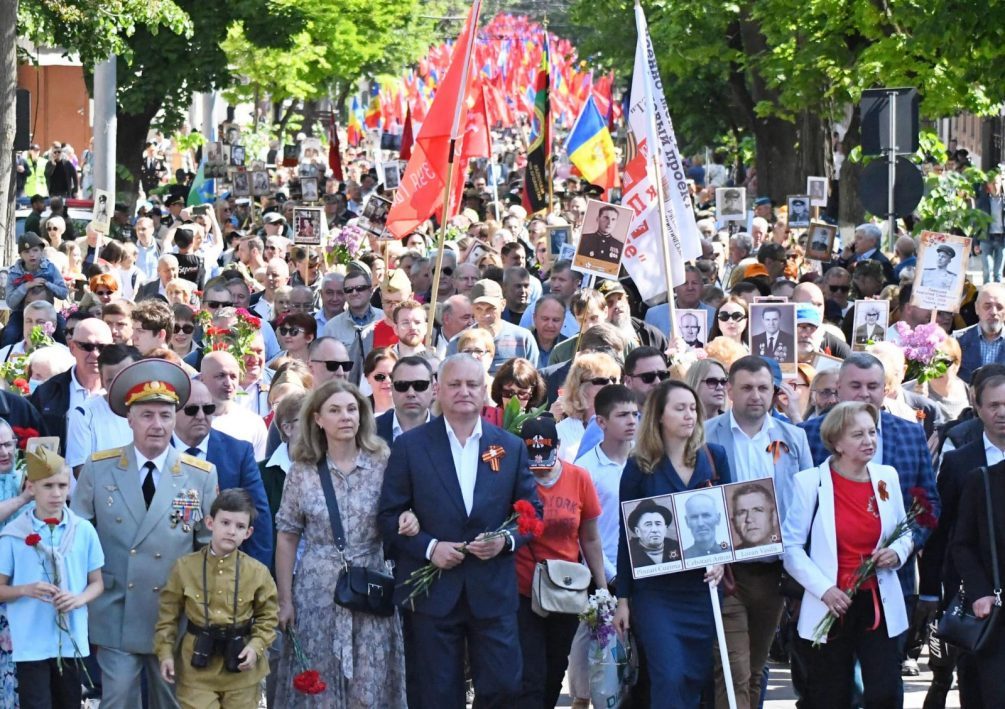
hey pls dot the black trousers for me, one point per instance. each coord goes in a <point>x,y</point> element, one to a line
<point>544,645</point>
<point>990,663</point>
<point>41,685</point>
<point>493,650</point>
<point>832,665</point>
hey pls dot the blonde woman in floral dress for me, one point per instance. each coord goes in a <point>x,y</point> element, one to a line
<point>360,656</point>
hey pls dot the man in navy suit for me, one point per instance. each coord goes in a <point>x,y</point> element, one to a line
<point>234,460</point>
<point>460,477</point>
<point>412,391</point>
<point>984,343</point>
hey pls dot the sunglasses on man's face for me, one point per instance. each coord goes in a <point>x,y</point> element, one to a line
<point>418,384</point>
<point>726,317</point>
<point>840,289</point>
<point>187,328</point>
<point>218,304</point>
<point>650,377</point>
<point>333,365</point>
<point>90,346</point>
<point>193,409</point>
<point>355,289</point>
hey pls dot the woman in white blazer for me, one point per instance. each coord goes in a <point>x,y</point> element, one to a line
<point>839,514</point>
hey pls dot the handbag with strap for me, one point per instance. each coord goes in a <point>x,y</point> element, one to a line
<point>358,588</point>
<point>958,625</point>
<point>559,587</point>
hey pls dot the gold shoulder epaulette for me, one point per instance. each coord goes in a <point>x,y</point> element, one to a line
<point>106,454</point>
<point>199,463</point>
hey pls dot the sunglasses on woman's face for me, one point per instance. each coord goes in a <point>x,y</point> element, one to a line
<point>289,331</point>
<point>187,328</point>
<point>601,381</point>
<point>715,382</point>
<point>381,377</point>
<point>418,384</point>
<point>103,293</point>
<point>726,317</point>
<point>333,365</point>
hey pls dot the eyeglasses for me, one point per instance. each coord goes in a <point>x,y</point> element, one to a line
<point>218,303</point>
<point>52,228</point>
<point>521,394</point>
<point>418,384</point>
<point>289,331</point>
<point>715,382</point>
<point>90,346</point>
<point>355,289</point>
<point>650,377</point>
<point>827,393</point>
<point>475,353</point>
<point>193,409</point>
<point>840,289</point>
<point>726,317</point>
<point>187,328</point>
<point>447,271</point>
<point>381,377</point>
<point>333,365</point>
<point>601,381</point>
<point>103,293</point>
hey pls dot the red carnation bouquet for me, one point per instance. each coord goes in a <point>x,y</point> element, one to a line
<point>528,524</point>
<point>920,515</point>
<point>306,681</point>
<point>236,339</point>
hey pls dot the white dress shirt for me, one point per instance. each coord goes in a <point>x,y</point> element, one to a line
<point>94,427</point>
<point>606,476</point>
<point>245,425</point>
<point>753,460</point>
<point>158,462</point>
<point>993,453</point>
<point>466,461</point>
<point>78,392</point>
<point>396,429</point>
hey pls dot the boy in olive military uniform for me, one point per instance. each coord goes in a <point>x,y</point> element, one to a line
<point>229,602</point>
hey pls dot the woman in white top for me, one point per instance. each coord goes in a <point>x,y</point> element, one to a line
<point>589,374</point>
<point>841,511</point>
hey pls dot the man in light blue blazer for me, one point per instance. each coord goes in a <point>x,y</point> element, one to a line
<point>758,445</point>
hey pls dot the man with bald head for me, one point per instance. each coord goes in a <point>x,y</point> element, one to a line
<point>983,343</point>
<point>70,390</point>
<point>476,600</point>
<point>234,460</point>
<point>329,359</point>
<point>221,374</point>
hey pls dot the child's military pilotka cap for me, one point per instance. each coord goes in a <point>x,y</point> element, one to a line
<point>28,240</point>
<point>149,381</point>
<point>541,438</point>
<point>43,463</point>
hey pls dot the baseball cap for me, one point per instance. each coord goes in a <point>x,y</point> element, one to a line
<point>540,435</point>
<point>487,291</point>
<point>808,314</point>
<point>274,218</point>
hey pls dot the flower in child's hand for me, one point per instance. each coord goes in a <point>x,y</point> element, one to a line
<point>33,539</point>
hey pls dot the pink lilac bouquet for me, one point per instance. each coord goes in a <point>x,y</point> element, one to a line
<point>345,245</point>
<point>925,358</point>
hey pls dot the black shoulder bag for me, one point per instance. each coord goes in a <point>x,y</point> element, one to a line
<point>958,625</point>
<point>358,588</point>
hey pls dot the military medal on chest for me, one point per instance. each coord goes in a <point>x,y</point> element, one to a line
<point>186,509</point>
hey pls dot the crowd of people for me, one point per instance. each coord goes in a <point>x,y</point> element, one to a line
<point>261,437</point>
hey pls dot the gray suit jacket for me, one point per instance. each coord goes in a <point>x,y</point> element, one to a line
<point>140,545</point>
<point>796,458</point>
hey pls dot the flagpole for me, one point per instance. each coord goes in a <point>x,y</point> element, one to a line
<point>455,127</point>
<point>549,161</point>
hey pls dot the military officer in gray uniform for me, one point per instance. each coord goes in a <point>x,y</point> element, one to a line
<point>147,502</point>
<point>940,277</point>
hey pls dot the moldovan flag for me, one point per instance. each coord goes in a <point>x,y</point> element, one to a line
<point>591,148</point>
<point>353,129</point>
<point>651,132</point>
<point>420,194</point>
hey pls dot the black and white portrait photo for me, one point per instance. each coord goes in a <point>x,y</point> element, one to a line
<point>773,332</point>
<point>692,326</point>
<point>392,176</point>
<point>374,215</point>
<point>558,236</point>
<point>230,133</point>
<point>602,244</point>
<point>237,155</point>
<point>872,318</point>
<point>309,189</point>
<point>260,183</point>
<point>730,204</point>
<point>816,188</point>
<point>102,216</point>
<point>820,242</point>
<point>653,537</point>
<point>799,211</point>
<point>941,271</point>
<point>704,533</point>
<point>242,186</point>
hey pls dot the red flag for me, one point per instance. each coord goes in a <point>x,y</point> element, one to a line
<point>420,194</point>
<point>477,139</point>
<point>406,137</point>
<point>334,153</point>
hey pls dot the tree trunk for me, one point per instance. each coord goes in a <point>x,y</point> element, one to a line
<point>850,210</point>
<point>129,142</point>
<point>310,114</point>
<point>8,125</point>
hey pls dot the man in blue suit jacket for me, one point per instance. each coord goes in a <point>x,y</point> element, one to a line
<point>984,343</point>
<point>460,476</point>
<point>234,460</point>
<point>902,444</point>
